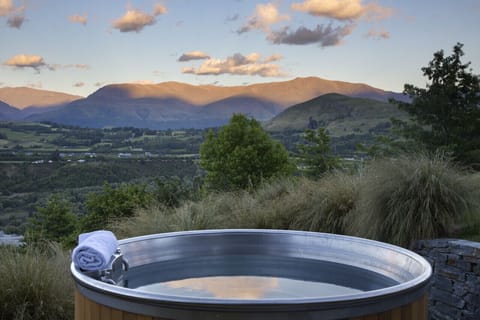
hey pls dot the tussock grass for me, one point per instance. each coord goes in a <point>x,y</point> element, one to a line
<point>336,196</point>
<point>35,283</point>
<point>412,198</point>
<point>392,200</point>
<point>286,203</point>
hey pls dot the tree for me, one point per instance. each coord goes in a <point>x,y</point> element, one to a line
<point>54,222</point>
<point>113,203</point>
<point>446,114</point>
<point>314,155</point>
<point>241,155</point>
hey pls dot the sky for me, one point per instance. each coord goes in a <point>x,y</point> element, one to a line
<point>78,46</point>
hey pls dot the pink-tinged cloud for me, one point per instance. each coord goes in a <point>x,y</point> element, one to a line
<point>26,61</point>
<point>238,64</point>
<point>264,16</point>
<point>143,82</point>
<point>343,9</point>
<point>378,35</point>
<point>324,36</point>
<point>273,57</point>
<point>78,19</point>
<point>76,66</point>
<point>6,7</point>
<point>79,84</point>
<point>193,55</point>
<point>159,9</point>
<point>136,20</point>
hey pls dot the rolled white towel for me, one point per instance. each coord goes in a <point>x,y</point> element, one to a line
<point>94,250</point>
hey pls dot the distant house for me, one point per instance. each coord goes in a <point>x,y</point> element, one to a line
<point>125,155</point>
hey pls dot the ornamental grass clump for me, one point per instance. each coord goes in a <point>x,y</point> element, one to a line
<point>410,198</point>
<point>35,283</point>
<point>334,199</point>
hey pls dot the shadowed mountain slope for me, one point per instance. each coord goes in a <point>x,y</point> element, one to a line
<point>341,115</point>
<point>8,112</point>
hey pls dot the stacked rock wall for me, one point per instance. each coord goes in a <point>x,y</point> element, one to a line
<point>455,291</point>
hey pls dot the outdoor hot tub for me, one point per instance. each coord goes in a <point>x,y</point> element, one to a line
<point>256,274</point>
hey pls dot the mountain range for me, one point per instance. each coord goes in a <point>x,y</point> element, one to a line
<point>176,105</point>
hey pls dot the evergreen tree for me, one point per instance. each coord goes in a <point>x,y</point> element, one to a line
<point>446,114</point>
<point>314,155</point>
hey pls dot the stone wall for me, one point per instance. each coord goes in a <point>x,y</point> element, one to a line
<point>455,291</point>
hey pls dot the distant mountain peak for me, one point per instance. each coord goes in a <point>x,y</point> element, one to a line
<point>24,97</point>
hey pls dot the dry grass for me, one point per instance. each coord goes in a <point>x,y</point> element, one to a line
<point>287,203</point>
<point>35,284</point>
<point>413,198</point>
<point>392,200</point>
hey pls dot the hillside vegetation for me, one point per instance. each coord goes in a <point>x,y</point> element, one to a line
<point>339,114</point>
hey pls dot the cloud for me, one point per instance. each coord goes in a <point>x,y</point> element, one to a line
<point>26,61</point>
<point>194,55</point>
<point>143,82</point>
<point>76,66</point>
<point>35,62</point>
<point>136,20</point>
<point>264,16</point>
<point>272,58</point>
<point>16,21</point>
<point>239,64</point>
<point>159,9</point>
<point>35,85</point>
<point>78,19</point>
<point>98,84</point>
<point>6,8</point>
<point>378,35</point>
<point>323,35</point>
<point>343,9</point>
<point>79,84</point>
<point>16,15</point>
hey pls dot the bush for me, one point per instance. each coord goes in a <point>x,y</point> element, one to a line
<point>54,222</point>
<point>412,198</point>
<point>113,203</point>
<point>35,284</point>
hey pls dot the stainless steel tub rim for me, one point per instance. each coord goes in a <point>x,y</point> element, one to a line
<point>411,271</point>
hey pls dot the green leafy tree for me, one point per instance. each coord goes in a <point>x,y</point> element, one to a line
<point>54,222</point>
<point>446,114</point>
<point>172,191</point>
<point>241,155</point>
<point>314,155</point>
<point>113,203</point>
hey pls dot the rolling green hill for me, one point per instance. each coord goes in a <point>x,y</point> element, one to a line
<point>341,115</point>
